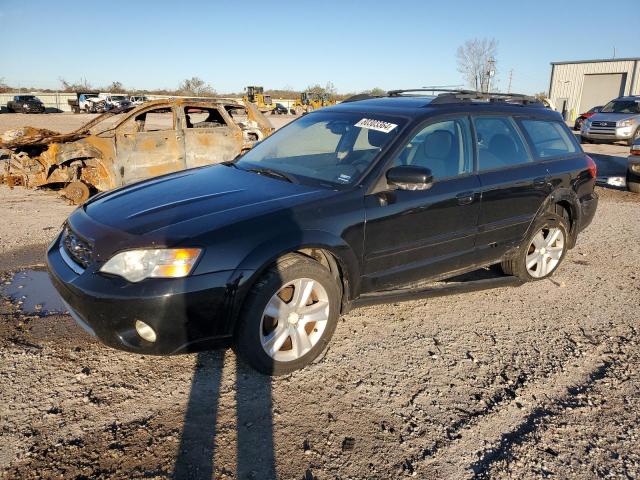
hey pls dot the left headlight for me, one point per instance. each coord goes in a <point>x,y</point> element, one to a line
<point>136,265</point>
<point>625,123</point>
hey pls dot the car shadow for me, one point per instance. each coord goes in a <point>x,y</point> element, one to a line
<point>255,457</point>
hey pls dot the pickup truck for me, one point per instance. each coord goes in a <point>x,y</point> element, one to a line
<point>25,104</point>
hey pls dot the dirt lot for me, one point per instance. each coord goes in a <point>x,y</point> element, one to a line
<point>536,381</point>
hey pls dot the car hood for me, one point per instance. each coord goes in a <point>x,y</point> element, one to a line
<point>612,117</point>
<point>195,201</point>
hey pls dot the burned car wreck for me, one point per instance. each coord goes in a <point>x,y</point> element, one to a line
<point>127,145</point>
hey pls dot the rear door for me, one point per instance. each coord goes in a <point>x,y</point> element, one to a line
<point>149,145</point>
<point>210,135</point>
<point>416,234</point>
<point>513,185</point>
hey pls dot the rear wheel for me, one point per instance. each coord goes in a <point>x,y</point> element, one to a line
<point>288,317</point>
<point>542,251</point>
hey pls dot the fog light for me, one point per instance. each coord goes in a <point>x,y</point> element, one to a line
<point>145,331</point>
<point>635,167</point>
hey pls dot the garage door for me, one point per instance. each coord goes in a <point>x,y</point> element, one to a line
<point>600,89</point>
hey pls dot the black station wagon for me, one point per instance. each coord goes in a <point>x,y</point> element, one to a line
<point>345,206</point>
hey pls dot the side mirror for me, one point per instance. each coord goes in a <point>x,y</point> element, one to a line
<point>408,177</point>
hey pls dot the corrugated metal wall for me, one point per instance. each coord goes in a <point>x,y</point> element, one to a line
<point>567,79</point>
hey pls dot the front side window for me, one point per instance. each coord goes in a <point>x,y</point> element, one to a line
<point>445,148</point>
<point>326,147</point>
<point>155,120</point>
<point>499,143</point>
<point>549,138</point>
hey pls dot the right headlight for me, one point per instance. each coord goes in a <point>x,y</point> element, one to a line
<point>136,265</point>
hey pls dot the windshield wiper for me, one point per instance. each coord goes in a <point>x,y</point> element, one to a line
<point>273,173</point>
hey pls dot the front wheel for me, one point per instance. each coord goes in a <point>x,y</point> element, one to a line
<point>636,136</point>
<point>542,251</point>
<point>288,317</point>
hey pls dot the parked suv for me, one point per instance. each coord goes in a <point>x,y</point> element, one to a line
<point>25,104</point>
<point>343,207</point>
<point>619,120</point>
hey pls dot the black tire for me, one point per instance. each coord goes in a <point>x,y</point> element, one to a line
<point>247,335</point>
<point>517,265</point>
<point>584,140</point>
<point>633,182</point>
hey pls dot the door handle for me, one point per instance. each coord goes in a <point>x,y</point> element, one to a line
<point>465,198</point>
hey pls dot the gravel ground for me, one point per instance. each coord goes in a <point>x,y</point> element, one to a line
<point>532,381</point>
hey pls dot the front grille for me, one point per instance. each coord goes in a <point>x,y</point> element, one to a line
<point>78,249</point>
<point>603,124</point>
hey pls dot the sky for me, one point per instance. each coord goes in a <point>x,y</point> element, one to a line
<point>356,45</point>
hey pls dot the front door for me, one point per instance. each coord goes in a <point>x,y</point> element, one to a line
<point>419,234</point>
<point>149,145</point>
<point>210,136</point>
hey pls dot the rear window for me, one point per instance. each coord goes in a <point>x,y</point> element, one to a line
<point>549,139</point>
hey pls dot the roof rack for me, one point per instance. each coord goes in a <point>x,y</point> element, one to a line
<point>459,95</point>
<point>360,96</point>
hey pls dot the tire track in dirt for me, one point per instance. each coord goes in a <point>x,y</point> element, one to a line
<point>489,437</point>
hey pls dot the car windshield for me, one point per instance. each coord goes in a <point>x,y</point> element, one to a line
<point>333,148</point>
<point>622,106</point>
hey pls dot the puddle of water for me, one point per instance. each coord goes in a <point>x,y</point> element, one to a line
<point>36,292</point>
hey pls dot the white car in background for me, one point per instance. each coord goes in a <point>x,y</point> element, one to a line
<point>138,99</point>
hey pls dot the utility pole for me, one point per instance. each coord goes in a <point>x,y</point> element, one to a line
<point>510,78</point>
<point>491,71</point>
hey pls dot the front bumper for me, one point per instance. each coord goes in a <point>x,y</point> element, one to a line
<point>188,314</point>
<point>612,134</point>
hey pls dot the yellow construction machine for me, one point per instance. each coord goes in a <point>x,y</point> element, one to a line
<point>310,101</point>
<point>256,95</point>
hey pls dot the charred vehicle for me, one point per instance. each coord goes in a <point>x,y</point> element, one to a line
<point>127,145</point>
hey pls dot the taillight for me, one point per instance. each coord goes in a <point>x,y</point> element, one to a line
<point>592,167</point>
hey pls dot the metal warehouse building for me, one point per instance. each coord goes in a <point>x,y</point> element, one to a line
<point>575,87</point>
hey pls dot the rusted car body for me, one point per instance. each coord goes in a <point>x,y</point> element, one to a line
<point>121,147</point>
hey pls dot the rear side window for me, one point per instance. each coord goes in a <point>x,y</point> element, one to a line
<point>499,143</point>
<point>549,139</point>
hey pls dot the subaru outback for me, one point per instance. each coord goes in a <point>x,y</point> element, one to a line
<point>343,206</point>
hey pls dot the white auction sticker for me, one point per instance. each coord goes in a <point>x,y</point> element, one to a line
<point>378,125</point>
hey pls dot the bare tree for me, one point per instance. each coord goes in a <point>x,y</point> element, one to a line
<point>477,62</point>
<point>79,86</point>
<point>115,87</point>
<point>3,86</point>
<point>196,86</point>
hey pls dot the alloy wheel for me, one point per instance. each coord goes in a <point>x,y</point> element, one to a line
<point>545,251</point>
<point>294,319</point>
